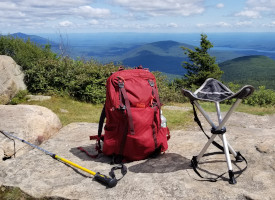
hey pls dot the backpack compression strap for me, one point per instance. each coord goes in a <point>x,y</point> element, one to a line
<point>154,92</point>
<point>123,94</point>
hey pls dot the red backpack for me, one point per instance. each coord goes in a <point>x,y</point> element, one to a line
<point>133,124</point>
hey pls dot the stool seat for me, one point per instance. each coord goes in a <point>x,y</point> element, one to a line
<point>213,90</point>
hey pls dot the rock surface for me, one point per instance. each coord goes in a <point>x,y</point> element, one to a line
<point>32,123</point>
<point>168,176</point>
<point>31,97</point>
<point>11,79</point>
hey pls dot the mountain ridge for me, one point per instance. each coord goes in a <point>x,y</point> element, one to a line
<point>255,70</point>
<point>34,38</point>
<point>167,56</point>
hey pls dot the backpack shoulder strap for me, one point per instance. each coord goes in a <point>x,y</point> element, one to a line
<point>101,122</point>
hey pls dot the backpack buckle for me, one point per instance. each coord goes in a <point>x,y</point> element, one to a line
<point>120,82</point>
<point>122,107</point>
<point>151,83</point>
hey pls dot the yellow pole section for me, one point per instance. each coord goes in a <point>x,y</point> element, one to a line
<point>75,165</point>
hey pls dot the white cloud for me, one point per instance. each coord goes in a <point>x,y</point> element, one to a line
<point>93,22</point>
<point>88,11</point>
<point>248,13</point>
<point>270,25</point>
<point>244,23</point>
<point>65,24</point>
<point>214,25</point>
<point>257,9</point>
<point>223,24</point>
<point>164,7</point>
<point>48,14</point>
<point>220,5</point>
<point>8,6</point>
<point>172,25</point>
<point>201,25</point>
<point>260,4</point>
<point>54,3</point>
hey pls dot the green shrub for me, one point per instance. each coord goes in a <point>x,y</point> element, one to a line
<point>46,73</point>
<point>19,97</point>
<point>261,97</point>
<point>168,92</point>
<point>25,53</point>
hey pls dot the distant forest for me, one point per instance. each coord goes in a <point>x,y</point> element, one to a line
<point>253,70</point>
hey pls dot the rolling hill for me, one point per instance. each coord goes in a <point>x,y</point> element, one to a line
<point>34,38</point>
<point>253,70</point>
<point>165,56</point>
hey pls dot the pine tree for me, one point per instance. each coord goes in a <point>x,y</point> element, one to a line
<point>201,65</point>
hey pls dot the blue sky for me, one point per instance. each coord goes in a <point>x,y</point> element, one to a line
<point>160,16</point>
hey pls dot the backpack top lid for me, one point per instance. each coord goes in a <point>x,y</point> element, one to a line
<point>213,90</point>
<point>137,85</point>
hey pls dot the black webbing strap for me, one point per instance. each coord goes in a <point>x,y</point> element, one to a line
<point>196,119</point>
<point>101,122</point>
<point>155,94</point>
<point>127,105</point>
<point>194,165</point>
<point>119,158</point>
<point>154,127</point>
<point>123,169</point>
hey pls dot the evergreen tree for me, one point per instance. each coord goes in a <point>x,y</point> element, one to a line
<point>201,65</point>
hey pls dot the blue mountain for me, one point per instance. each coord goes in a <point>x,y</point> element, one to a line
<point>34,38</point>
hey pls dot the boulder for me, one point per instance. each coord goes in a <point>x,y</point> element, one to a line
<point>31,123</point>
<point>11,79</point>
<point>169,176</point>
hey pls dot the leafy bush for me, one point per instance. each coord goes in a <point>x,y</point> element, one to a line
<point>47,73</point>
<point>261,97</point>
<point>19,97</point>
<point>168,92</point>
<point>25,53</point>
<point>89,80</point>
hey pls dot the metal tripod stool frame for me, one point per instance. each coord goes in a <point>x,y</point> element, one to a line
<point>214,91</point>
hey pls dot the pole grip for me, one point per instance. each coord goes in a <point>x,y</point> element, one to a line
<point>110,182</point>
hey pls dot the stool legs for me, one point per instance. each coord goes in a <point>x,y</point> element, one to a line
<point>220,131</point>
<point>211,139</point>
<point>228,160</point>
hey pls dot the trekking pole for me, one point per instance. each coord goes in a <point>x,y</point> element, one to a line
<point>108,181</point>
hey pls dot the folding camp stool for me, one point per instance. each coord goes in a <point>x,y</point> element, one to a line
<point>214,91</point>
